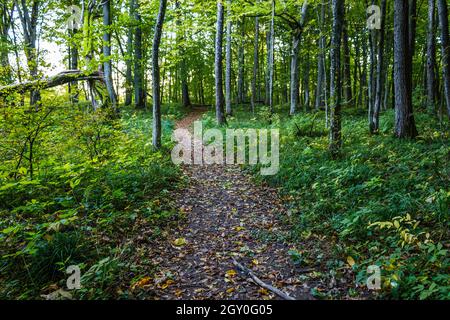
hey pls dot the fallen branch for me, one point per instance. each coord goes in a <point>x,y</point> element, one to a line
<point>262,284</point>
<point>50,82</point>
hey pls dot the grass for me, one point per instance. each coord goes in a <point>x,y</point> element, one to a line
<point>383,202</point>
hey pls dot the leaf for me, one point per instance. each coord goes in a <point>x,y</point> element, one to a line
<point>350,261</point>
<point>231,273</point>
<point>263,291</point>
<point>255,262</point>
<point>141,283</point>
<point>180,242</point>
<point>230,290</point>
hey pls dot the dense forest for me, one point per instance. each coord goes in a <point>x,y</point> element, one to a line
<point>94,92</point>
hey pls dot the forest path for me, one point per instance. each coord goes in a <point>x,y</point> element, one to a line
<point>227,215</point>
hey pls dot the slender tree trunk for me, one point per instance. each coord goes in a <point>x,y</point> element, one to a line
<point>139,93</point>
<point>271,56</point>
<point>321,72</point>
<point>347,73</point>
<point>405,126</point>
<point>107,22</point>
<point>374,125</point>
<point>294,73</point>
<point>431,57</point>
<point>156,75</point>
<point>129,61</point>
<point>255,64</point>
<point>73,65</point>
<point>335,79</point>
<point>241,65</point>
<point>185,99</point>
<point>228,62</point>
<point>445,47</point>
<point>219,64</point>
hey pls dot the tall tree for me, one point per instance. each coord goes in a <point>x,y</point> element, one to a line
<point>29,22</point>
<point>255,63</point>
<point>129,59</point>
<point>139,93</point>
<point>218,62</point>
<point>445,46</point>
<point>107,64</point>
<point>296,39</point>
<point>241,64</point>
<point>185,98</point>
<point>271,57</point>
<point>156,75</point>
<point>405,126</point>
<point>374,120</point>
<point>228,62</point>
<point>431,56</point>
<point>321,75</point>
<point>335,78</point>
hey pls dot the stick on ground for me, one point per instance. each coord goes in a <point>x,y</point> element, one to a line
<point>261,283</point>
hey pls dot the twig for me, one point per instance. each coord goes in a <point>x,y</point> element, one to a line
<point>259,282</point>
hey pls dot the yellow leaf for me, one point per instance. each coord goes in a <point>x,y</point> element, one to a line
<point>230,290</point>
<point>231,273</point>
<point>396,224</point>
<point>255,262</point>
<point>141,283</point>
<point>263,291</point>
<point>179,242</point>
<point>350,261</point>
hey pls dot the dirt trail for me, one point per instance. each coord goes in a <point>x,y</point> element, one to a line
<point>227,215</point>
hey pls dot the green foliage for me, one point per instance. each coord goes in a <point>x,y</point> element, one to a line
<point>385,200</point>
<point>94,177</point>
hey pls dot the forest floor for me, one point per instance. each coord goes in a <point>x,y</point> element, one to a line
<point>228,216</point>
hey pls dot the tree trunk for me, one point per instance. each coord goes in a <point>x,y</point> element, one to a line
<point>139,94</point>
<point>185,99</point>
<point>294,72</point>
<point>374,124</point>
<point>445,47</point>
<point>241,65</point>
<point>228,62</point>
<point>50,82</point>
<point>431,57</point>
<point>219,64</point>
<point>129,60</point>
<point>321,85</point>
<point>73,65</point>
<point>107,22</point>
<point>271,57</point>
<point>156,76</point>
<point>347,73</point>
<point>335,79</point>
<point>255,64</point>
<point>405,126</point>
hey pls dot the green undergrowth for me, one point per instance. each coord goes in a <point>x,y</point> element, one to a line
<point>383,201</point>
<point>94,179</point>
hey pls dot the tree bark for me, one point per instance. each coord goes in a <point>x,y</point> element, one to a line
<point>228,62</point>
<point>156,139</point>
<point>271,56</point>
<point>255,63</point>
<point>445,47</point>
<point>335,78</point>
<point>139,94</point>
<point>405,126</point>
<point>129,60</point>
<point>241,65</point>
<point>374,124</point>
<point>107,22</point>
<point>50,82</point>
<point>431,57</point>
<point>220,116</point>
